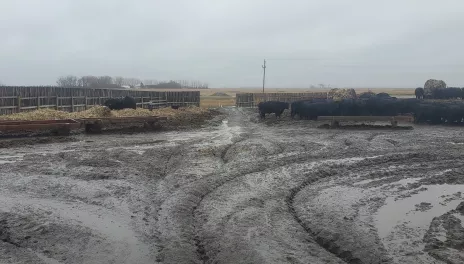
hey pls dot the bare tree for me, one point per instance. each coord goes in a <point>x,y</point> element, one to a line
<point>89,81</point>
<point>105,80</point>
<point>119,81</point>
<point>150,82</point>
<point>131,81</point>
<point>68,81</point>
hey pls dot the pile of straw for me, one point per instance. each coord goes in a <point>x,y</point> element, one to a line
<point>42,114</point>
<point>181,116</point>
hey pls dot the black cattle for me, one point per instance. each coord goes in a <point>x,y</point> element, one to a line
<point>453,93</point>
<point>296,107</point>
<point>309,110</point>
<point>433,113</point>
<point>419,92</point>
<point>174,106</point>
<point>407,106</point>
<point>366,95</point>
<point>121,103</point>
<point>352,107</point>
<point>382,106</point>
<point>272,107</point>
<point>383,95</point>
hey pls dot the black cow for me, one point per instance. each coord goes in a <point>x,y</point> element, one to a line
<point>296,107</point>
<point>121,103</point>
<point>272,107</point>
<point>383,95</point>
<point>309,110</point>
<point>419,92</point>
<point>299,107</point>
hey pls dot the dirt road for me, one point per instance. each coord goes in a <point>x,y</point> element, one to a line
<point>237,191</point>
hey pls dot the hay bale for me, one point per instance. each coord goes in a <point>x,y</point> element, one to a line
<point>339,94</point>
<point>431,87</point>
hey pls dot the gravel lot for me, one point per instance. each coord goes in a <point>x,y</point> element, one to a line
<point>237,190</point>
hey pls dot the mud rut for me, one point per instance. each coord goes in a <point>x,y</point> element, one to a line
<point>240,192</point>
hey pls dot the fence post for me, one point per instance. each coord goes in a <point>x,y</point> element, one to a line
<point>85,102</point>
<point>72,103</point>
<point>57,103</point>
<point>18,102</point>
<point>142,101</point>
<point>38,102</point>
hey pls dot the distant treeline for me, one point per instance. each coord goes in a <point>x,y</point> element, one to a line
<point>91,81</point>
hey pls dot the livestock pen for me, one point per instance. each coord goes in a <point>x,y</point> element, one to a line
<point>15,99</point>
<point>253,99</point>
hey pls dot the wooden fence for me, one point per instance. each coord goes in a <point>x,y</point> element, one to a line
<point>14,99</point>
<point>253,99</point>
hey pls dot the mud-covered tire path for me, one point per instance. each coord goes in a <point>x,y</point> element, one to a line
<point>238,190</point>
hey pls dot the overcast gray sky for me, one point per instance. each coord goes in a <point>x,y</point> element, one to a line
<point>358,43</point>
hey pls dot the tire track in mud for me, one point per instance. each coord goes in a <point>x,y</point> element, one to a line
<point>195,193</point>
<point>331,245</point>
<point>269,165</point>
<point>185,209</point>
<point>283,162</point>
<point>199,243</point>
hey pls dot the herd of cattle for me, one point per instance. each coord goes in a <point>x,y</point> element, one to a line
<point>423,111</point>
<point>444,93</point>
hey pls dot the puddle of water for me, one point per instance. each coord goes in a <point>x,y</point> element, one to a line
<point>349,160</point>
<point>224,135</point>
<point>11,158</point>
<point>443,172</point>
<point>402,228</point>
<point>402,211</point>
<point>407,181</point>
<point>456,143</point>
<point>113,226</point>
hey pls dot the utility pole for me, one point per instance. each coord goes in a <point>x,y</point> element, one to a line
<point>264,73</point>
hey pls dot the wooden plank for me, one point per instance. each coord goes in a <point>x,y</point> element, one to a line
<point>38,126</point>
<point>122,120</point>
<point>365,118</point>
<point>8,107</point>
<point>28,107</point>
<point>50,121</point>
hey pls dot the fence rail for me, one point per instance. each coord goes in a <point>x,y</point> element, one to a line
<point>253,99</point>
<point>14,99</point>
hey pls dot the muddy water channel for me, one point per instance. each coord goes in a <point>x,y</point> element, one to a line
<point>237,190</point>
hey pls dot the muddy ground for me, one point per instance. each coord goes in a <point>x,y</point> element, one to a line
<point>236,190</point>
